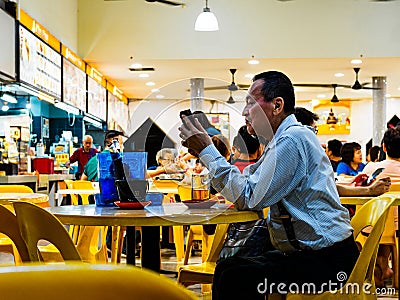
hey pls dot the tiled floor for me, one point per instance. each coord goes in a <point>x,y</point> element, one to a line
<point>170,263</point>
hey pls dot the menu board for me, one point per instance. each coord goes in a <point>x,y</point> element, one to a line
<point>96,99</point>
<point>40,65</point>
<point>7,49</point>
<point>74,85</point>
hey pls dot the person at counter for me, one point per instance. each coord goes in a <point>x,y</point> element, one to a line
<point>82,155</point>
<point>294,178</point>
<point>113,142</point>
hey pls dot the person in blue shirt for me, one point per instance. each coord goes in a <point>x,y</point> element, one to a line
<point>294,179</point>
<point>351,163</point>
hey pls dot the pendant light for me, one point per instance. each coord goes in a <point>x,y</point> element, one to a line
<point>206,21</point>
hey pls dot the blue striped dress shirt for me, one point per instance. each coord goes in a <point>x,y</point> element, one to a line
<point>293,169</point>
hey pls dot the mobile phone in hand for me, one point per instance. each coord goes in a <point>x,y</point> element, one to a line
<point>372,177</point>
<point>187,113</point>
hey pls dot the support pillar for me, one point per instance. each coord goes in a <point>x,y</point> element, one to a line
<point>197,94</point>
<point>378,109</point>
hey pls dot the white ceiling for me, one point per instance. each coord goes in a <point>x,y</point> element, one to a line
<point>309,40</point>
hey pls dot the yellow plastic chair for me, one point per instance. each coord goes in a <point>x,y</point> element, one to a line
<point>15,188</point>
<point>89,240</point>
<point>6,244</point>
<point>204,272</point>
<point>100,282</point>
<point>197,233</point>
<point>82,185</point>
<point>373,213</point>
<point>74,198</point>
<point>9,227</point>
<point>37,224</point>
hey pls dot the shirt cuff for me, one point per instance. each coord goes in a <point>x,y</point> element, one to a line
<point>209,155</point>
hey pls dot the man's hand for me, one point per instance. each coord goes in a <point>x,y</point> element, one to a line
<point>380,186</point>
<point>194,136</point>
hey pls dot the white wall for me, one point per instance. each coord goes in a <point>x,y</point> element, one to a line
<point>58,17</point>
<point>166,114</point>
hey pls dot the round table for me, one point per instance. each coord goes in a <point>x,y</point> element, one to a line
<point>150,218</point>
<point>36,198</point>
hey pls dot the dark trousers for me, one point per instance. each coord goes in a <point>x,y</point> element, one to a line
<point>253,278</point>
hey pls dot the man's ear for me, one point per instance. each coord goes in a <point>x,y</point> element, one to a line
<point>278,105</point>
<point>384,148</point>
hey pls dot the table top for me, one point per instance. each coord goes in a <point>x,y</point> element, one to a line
<point>361,200</point>
<point>165,215</point>
<point>7,198</point>
<point>78,192</point>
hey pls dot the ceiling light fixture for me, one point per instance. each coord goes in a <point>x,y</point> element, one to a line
<point>160,96</point>
<point>339,75</point>
<point>206,21</point>
<point>356,61</point>
<point>150,83</point>
<point>155,90</point>
<point>253,61</point>
<point>28,103</point>
<point>5,107</point>
<point>8,98</point>
<point>144,75</point>
<point>136,66</point>
<point>249,76</point>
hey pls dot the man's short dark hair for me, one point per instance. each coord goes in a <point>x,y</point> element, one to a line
<point>348,150</point>
<point>374,153</point>
<point>245,142</point>
<point>304,116</point>
<point>391,139</point>
<point>110,134</point>
<point>277,84</point>
<point>334,146</point>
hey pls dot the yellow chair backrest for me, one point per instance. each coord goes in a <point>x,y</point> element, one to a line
<point>9,227</point>
<point>90,281</point>
<point>15,188</point>
<point>37,224</point>
<point>83,185</point>
<point>373,213</point>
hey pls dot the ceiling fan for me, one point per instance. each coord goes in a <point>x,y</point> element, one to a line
<point>173,3</point>
<point>232,87</point>
<point>356,85</point>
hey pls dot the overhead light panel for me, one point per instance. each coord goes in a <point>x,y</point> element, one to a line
<point>356,61</point>
<point>206,21</point>
<point>95,123</point>
<point>67,108</point>
<point>8,98</point>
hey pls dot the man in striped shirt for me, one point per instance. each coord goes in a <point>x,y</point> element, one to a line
<point>293,177</point>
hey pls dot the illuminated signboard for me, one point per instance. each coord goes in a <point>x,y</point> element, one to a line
<point>40,65</point>
<point>96,99</point>
<point>74,85</point>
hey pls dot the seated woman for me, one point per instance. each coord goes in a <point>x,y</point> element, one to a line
<point>351,163</point>
<point>166,163</point>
